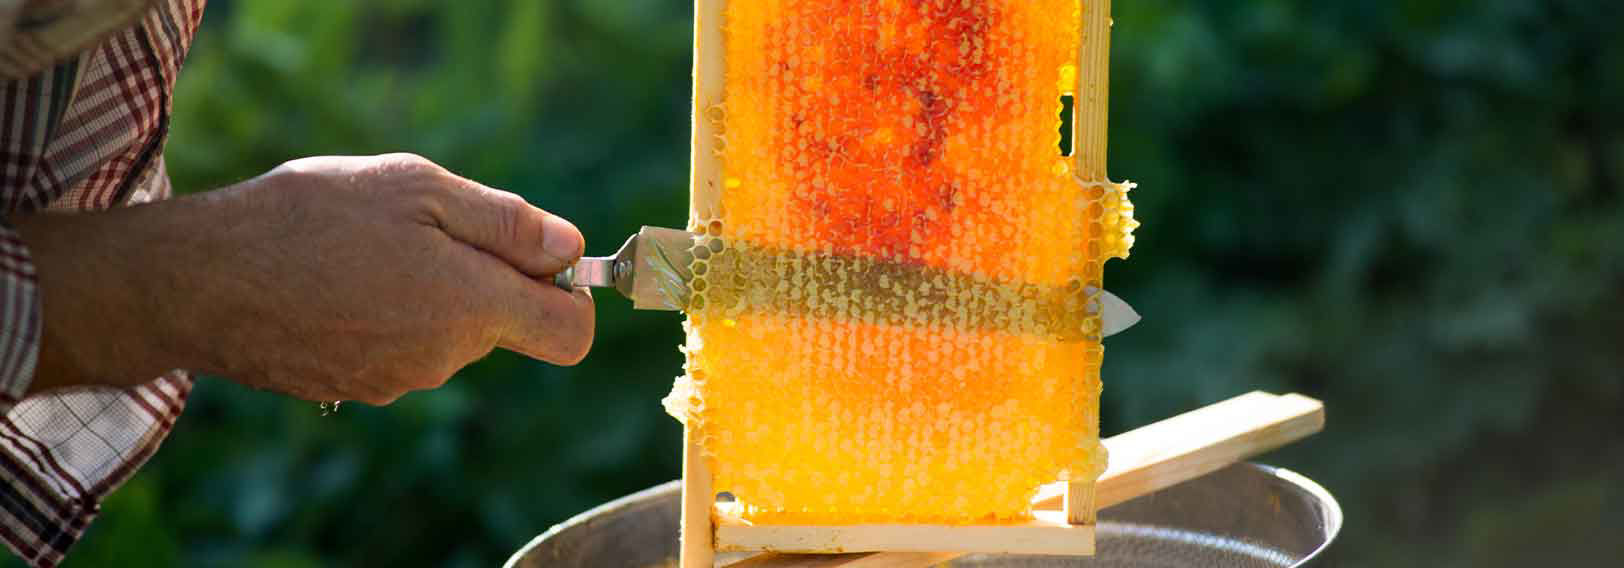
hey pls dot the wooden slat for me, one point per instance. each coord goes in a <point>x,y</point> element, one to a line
<point>1196,443</point>
<point>698,545</point>
<point>1047,533</point>
<point>705,171</point>
<point>1151,458</point>
<point>698,501</point>
<point>1091,104</point>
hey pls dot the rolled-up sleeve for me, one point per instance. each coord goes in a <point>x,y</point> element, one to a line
<point>36,34</point>
<point>84,90</point>
<point>19,318</point>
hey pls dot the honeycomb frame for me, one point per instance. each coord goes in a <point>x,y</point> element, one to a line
<point>1086,166</point>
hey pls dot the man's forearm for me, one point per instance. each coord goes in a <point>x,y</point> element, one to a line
<point>103,293</point>
<point>336,278</point>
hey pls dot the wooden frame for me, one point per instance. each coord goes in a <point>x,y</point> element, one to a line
<point>1066,531</point>
<point>709,527</point>
<point>1142,461</point>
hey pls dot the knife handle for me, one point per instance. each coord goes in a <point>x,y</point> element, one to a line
<point>592,272</point>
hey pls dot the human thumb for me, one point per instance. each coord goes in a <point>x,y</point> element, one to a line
<point>533,241</point>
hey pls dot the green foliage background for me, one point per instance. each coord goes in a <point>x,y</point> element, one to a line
<point>1409,209</point>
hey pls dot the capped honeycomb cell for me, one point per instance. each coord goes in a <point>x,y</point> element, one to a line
<point>891,313</point>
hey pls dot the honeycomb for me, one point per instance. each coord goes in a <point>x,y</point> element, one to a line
<point>892,316</point>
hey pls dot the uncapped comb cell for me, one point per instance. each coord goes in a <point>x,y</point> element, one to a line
<point>891,313</point>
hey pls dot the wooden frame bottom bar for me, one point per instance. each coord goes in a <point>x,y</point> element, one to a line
<point>1047,533</point>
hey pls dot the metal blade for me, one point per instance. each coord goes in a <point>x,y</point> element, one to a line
<point>660,271</point>
<point>1116,315</point>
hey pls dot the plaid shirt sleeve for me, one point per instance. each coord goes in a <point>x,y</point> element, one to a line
<point>84,114</point>
<point>19,316</point>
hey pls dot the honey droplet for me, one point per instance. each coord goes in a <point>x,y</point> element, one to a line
<point>1068,77</point>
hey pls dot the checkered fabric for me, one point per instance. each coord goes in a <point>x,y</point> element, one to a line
<point>84,112</point>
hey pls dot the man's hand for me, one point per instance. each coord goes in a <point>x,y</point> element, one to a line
<point>335,278</point>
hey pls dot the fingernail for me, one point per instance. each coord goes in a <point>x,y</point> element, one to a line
<point>560,239</point>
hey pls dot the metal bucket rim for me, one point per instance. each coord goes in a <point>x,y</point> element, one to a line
<point>1331,515</point>
<point>589,514</point>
